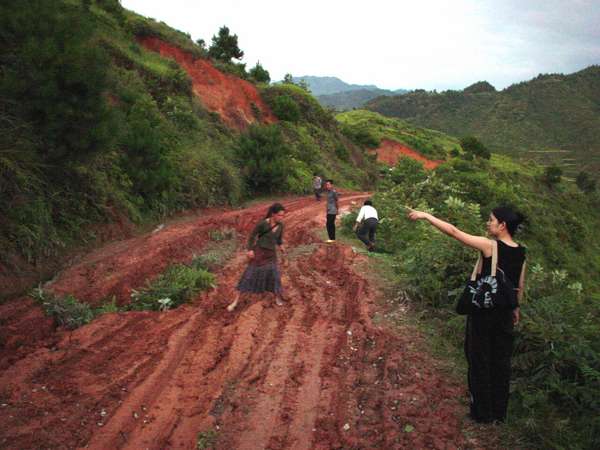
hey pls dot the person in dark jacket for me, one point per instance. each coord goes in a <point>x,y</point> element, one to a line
<point>332,207</point>
<point>262,273</point>
<point>489,333</point>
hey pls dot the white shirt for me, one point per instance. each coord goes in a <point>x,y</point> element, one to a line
<point>367,212</point>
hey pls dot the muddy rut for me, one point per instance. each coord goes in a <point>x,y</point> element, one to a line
<point>314,374</point>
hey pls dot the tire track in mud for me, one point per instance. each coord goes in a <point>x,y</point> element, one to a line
<point>314,374</point>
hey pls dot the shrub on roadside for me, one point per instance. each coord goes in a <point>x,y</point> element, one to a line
<point>264,157</point>
<point>66,311</point>
<point>176,285</point>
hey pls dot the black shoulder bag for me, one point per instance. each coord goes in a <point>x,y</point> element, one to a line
<point>487,292</point>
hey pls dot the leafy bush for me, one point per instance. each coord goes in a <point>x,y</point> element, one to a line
<point>557,363</point>
<point>552,175</point>
<point>224,46</point>
<point>264,156</point>
<point>585,182</point>
<point>146,158</point>
<point>285,108</point>
<point>56,75</point>
<point>66,311</point>
<point>342,152</point>
<point>259,74</point>
<point>178,284</point>
<point>472,145</point>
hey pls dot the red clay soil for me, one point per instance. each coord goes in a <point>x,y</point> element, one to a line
<point>390,152</point>
<point>229,96</point>
<point>317,373</point>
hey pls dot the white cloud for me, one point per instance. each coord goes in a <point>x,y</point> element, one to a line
<point>399,44</point>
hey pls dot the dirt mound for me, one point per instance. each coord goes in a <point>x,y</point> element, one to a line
<point>235,100</point>
<point>389,152</point>
<point>314,374</point>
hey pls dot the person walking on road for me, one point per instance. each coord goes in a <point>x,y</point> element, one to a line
<point>489,333</point>
<point>332,209</point>
<point>262,273</point>
<point>366,224</point>
<point>317,186</point>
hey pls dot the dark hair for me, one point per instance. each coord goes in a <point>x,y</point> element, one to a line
<point>274,209</point>
<point>368,202</point>
<point>510,217</point>
<point>329,181</point>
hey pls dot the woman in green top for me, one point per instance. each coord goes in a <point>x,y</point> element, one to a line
<point>262,273</point>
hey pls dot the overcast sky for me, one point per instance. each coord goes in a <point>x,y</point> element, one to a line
<point>428,44</point>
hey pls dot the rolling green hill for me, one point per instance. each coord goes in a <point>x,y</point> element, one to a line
<point>552,118</point>
<point>369,128</point>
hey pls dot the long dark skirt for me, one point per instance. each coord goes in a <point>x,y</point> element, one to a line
<point>488,348</point>
<point>262,273</point>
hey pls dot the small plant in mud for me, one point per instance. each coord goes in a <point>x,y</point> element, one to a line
<point>218,251</point>
<point>177,285</point>
<point>206,439</point>
<point>66,311</point>
<point>224,234</point>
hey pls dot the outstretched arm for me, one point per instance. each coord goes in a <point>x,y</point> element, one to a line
<point>480,243</point>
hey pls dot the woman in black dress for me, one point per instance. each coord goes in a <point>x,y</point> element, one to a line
<point>262,273</point>
<point>489,333</point>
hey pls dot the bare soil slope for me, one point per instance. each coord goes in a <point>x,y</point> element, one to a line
<point>389,152</point>
<point>314,374</point>
<point>237,101</point>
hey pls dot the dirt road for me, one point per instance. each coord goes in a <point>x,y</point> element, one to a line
<point>314,374</point>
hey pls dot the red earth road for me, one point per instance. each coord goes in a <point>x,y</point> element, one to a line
<point>314,374</point>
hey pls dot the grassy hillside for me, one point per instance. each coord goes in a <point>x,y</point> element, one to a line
<point>555,394</point>
<point>552,118</point>
<point>369,128</point>
<point>98,133</point>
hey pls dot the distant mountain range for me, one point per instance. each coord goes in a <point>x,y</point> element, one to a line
<point>551,118</point>
<point>335,93</point>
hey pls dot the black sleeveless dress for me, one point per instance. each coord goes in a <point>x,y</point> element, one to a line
<point>489,345</point>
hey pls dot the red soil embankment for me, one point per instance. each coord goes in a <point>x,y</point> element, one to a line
<point>389,152</point>
<point>231,97</point>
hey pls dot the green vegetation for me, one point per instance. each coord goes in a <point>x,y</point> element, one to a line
<point>585,182</point>
<point>225,46</point>
<point>67,311</point>
<point>552,118</point>
<point>259,74</point>
<point>475,147</point>
<point>555,400</point>
<point>552,175</point>
<point>175,286</point>
<point>206,439</point>
<point>368,129</point>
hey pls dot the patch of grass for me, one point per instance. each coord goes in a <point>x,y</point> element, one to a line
<point>175,286</point>
<point>206,439</point>
<point>217,252</point>
<point>66,311</point>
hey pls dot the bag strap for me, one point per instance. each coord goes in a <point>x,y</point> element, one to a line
<point>271,228</point>
<point>494,257</point>
<point>477,267</point>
